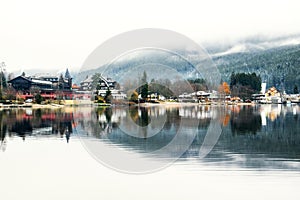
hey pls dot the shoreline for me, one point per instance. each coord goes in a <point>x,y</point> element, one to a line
<point>180,104</point>
<point>165,104</point>
<point>30,105</point>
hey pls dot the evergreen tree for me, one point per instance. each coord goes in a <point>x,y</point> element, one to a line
<point>144,91</point>
<point>244,85</point>
<point>4,83</point>
<point>38,98</point>
<point>232,80</point>
<point>144,78</point>
<point>61,82</point>
<point>144,87</point>
<point>67,74</point>
<point>296,91</point>
<point>68,78</point>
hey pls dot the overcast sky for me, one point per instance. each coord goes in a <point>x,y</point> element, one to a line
<point>57,34</point>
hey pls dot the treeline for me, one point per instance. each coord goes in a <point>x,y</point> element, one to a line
<point>198,84</point>
<point>172,89</point>
<point>244,85</point>
<point>164,87</point>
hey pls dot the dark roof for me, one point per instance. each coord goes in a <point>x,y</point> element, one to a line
<point>23,77</point>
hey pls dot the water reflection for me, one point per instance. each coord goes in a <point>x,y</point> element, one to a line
<point>35,122</point>
<point>245,120</point>
<point>256,136</point>
<point>251,137</point>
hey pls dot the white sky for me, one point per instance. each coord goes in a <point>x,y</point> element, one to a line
<point>58,34</point>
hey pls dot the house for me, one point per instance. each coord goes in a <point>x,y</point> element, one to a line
<point>75,87</point>
<point>199,96</point>
<point>86,85</point>
<point>53,79</point>
<point>20,83</point>
<point>203,96</point>
<point>106,84</point>
<point>47,85</point>
<point>272,95</point>
<point>26,83</point>
<point>153,96</point>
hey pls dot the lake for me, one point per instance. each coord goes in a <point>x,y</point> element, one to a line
<point>79,152</point>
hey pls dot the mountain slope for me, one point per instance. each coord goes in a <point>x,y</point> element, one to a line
<point>278,65</point>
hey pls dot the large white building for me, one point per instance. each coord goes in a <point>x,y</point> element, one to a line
<point>104,85</point>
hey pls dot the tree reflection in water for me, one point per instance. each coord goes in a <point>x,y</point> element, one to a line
<point>246,120</point>
<point>104,115</point>
<point>35,122</point>
<point>141,117</point>
<point>145,127</point>
<point>248,131</point>
<point>3,132</point>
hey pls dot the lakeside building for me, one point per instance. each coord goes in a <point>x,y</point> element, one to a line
<point>105,84</point>
<point>272,95</point>
<point>61,87</point>
<point>86,85</point>
<point>199,96</point>
<point>154,96</point>
<point>50,87</point>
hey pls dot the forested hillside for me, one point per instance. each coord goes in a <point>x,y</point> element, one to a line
<point>278,66</point>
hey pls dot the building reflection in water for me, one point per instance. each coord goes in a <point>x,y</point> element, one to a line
<point>35,122</point>
<point>149,128</point>
<point>241,119</point>
<point>247,131</point>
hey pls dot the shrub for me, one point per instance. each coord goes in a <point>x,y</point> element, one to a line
<point>38,98</point>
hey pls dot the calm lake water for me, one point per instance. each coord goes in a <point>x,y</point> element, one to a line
<point>259,137</point>
<point>40,146</point>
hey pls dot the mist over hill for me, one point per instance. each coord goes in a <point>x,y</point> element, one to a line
<point>277,61</point>
<point>158,64</point>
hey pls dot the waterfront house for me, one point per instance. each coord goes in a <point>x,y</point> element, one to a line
<point>48,86</point>
<point>270,96</point>
<point>106,84</point>
<point>199,96</point>
<point>86,85</point>
<point>26,83</point>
